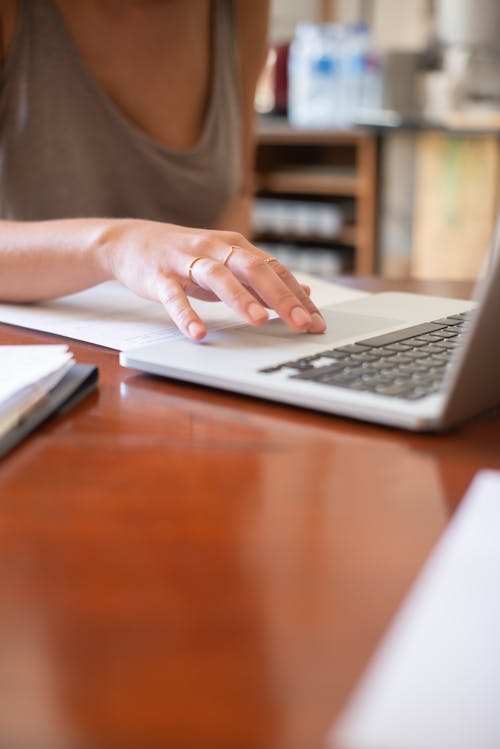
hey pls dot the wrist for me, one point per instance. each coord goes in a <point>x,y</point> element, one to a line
<point>105,245</point>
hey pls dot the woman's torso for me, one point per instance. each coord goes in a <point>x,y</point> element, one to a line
<point>120,110</point>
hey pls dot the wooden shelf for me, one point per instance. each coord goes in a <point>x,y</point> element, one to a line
<point>277,131</point>
<point>310,181</point>
<point>323,164</point>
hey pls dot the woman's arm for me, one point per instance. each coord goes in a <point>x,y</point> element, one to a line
<point>158,261</point>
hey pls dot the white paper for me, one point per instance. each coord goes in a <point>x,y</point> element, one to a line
<point>27,373</point>
<point>112,316</point>
<point>434,682</point>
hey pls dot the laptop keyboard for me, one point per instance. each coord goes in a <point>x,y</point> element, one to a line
<point>409,363</point>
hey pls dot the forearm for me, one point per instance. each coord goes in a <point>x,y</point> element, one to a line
<point>46,259</point>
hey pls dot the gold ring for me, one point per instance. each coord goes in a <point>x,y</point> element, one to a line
<point>190,269</point>
<point>232,248</point>
<point>271,260</point>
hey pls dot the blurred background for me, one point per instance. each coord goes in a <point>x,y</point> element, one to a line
<point>378,136</point>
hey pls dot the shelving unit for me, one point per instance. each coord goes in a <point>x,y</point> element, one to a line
<point>439,200</point>
<point>332,165</point>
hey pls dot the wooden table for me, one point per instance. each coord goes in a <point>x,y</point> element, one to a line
<point>184,568</point>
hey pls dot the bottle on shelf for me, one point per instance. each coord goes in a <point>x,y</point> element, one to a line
<point>314,75</point>
<point>352,70</point>
<point>334,75</point>
<point>361,74</point>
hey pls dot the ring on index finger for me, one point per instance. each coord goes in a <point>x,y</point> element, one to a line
<point>271,260</point>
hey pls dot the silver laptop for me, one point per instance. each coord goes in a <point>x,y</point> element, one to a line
<point>405,360</point>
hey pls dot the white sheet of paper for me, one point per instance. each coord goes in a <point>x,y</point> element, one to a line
<point>112,316</point>
<point>434,682</point>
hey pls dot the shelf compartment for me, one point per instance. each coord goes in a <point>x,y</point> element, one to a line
<point>346,236</point>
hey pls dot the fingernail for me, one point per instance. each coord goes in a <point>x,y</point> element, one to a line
<point>196,330</point>
<point>318,325</point>
<point>300,317</point>
<point>256,312</point>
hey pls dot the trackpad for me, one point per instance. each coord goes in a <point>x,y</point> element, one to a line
<point>340,325</point>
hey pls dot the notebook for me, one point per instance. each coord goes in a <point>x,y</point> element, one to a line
<point>37,382</point>
<point>27,374</point>
<point>405,360</point>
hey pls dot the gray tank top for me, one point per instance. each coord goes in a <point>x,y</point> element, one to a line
<point>67,151</point>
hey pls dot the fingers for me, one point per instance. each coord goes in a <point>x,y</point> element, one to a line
<point>278,288</point>
<point>243,277</point>
<point>318,324</point>
<point>173,297</point>
<point>216,277</point>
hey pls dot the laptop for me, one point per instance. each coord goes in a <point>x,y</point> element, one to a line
<point>404,360</point>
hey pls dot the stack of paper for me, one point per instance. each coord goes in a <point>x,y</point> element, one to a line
<point>27,374</point>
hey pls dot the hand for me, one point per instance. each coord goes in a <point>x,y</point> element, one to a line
<point>166,263</point>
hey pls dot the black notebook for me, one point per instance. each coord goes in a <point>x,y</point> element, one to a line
<point>78,381</point>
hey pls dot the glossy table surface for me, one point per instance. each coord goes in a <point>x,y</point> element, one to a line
<point>185,568</point>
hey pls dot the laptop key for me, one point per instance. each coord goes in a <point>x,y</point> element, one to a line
<point>402,359</point>
<point>353,348</point>
<point>383,351</point>
<point>431,348</point>
<point>419,392</point>
<point>318,372</point>
<point>452,320</point>
<point>335,354</point>
<point>301,364</point>
<point>270,370</point>
<point>447,333</point>
<point>450,345</point>
<point>392,389</point>
<point>401,335</point>
<point>415,342</point>
<point>399,347</point>
<point>365,356</point>
<point>297,365</point>
<point>429,337</point>
<point>340,379</point>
